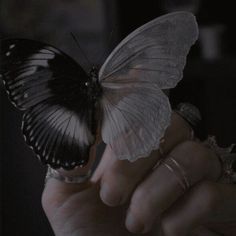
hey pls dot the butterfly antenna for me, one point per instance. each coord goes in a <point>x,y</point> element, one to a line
<point>80,48</point>
<point>102,57</point>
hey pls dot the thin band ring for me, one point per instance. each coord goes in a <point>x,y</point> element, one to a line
<point>182,171</point>
<point>174,167</point>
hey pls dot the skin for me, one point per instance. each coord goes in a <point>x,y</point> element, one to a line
<point>124,198</point>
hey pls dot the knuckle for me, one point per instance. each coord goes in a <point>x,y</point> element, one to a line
<point>199,153</point>
<point>189,146</point>
<point>139,196</point>
<point>115,179</point>
<point>141,205</point>
<point>114,190</point>
<point>109,197</point>
<point>198,160</point>
<point>120,173</point>
<point>168,229</point>
<point>210,195</point>
<point>118,183</point>
<point>204,157</point>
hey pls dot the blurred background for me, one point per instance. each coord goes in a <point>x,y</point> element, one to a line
<point>209,80</point>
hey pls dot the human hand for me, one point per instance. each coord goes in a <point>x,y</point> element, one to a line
<point>154,198</point>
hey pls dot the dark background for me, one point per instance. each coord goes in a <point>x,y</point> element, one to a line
<point>209,80</point>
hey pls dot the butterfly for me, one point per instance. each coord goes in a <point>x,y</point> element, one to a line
<point>65,108</point>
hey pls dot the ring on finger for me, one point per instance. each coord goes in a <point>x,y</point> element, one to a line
<point>227,157</point>
<point>76,179</point>
<point>177,169</point>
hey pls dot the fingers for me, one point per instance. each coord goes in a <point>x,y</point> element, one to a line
<point>120,178</point>
<point>193,210</point>
<point>207,203</point>
<point>162,188</point>
<point>203,231</point>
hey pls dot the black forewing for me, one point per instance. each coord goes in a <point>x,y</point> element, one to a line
<point>50,87</point>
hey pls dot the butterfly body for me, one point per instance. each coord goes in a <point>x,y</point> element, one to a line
<point>94,87</point>
<point>64,107</point>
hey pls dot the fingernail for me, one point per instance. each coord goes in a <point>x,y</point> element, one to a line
<point>108,196</point>
<point>133,225</point>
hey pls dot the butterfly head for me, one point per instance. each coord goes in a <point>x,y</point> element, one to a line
<point>93,74</point>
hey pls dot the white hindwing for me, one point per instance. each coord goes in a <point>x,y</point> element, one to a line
<point>136,112</point>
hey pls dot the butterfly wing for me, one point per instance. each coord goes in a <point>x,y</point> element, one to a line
<point>150,59</point>
<point>134,119</point>
<point>50,88</point>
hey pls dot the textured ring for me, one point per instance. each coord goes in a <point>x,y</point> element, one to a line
<point>227,156</point>
<point>78,179</point>
<point>189,113</point>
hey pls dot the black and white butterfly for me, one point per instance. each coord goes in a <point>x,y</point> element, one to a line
<point>63,105</point>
